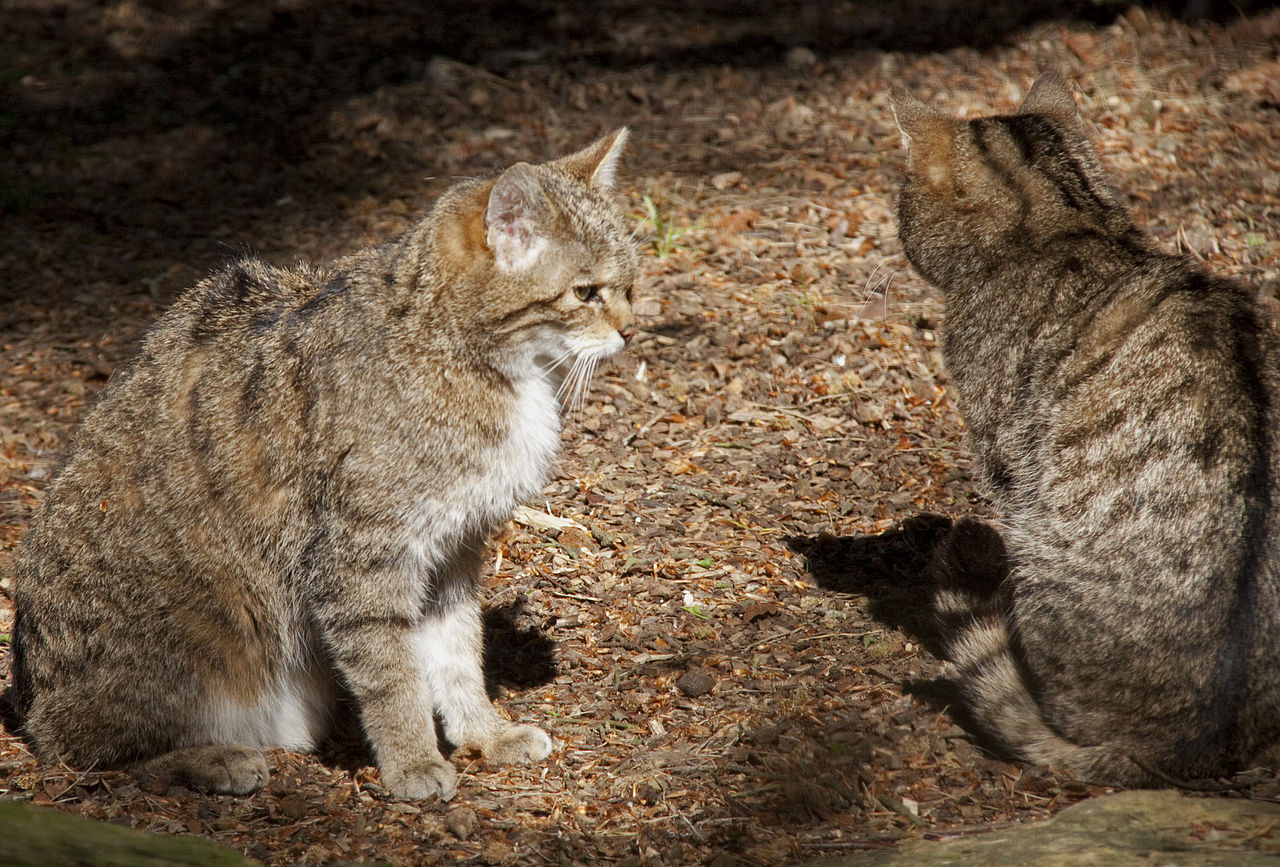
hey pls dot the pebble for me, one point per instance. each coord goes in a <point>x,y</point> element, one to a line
<point>696,682</point>
<point>462,821</point>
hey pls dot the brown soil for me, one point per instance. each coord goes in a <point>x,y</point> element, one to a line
<point>721,617</point>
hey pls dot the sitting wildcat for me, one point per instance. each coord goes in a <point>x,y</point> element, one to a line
<point>292,485</point>
<point>1125,409</point>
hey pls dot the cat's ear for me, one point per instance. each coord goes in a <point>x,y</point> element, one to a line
<point>1051,97</point>
<point>917,122</point>
<point>513,218</point>
<point>926,132</point>
<point>597,164</point>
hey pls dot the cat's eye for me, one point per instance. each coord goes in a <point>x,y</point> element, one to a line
<point>587,292</point>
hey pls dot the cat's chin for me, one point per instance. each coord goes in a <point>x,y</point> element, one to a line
<point>557,367</point>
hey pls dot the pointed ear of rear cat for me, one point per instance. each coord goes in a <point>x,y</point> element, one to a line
<point>926,137</point>
<point>916,121</point>
<point>512,218</point>
<point>596,165</point>
<point>1051,97</point>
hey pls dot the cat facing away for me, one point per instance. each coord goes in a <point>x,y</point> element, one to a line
<point>1124,407</point>
<point>291,487</point>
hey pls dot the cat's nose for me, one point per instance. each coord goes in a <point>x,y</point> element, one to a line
<point>627,331</point>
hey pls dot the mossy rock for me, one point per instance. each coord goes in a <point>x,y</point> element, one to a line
<point>1141,827</point>
<point>34,837</point>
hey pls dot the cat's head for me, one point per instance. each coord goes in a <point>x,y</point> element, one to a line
<point>550,264</point>
<point>985,190</point>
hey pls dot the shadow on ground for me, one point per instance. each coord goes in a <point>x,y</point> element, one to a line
<point>889,569</point>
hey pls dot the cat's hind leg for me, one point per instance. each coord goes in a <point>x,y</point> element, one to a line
<point>226,769</point>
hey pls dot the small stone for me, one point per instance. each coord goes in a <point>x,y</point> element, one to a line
<point>801,57</point>
<point>696,682</point>
<point>576,538</point>
<point>462,821</point>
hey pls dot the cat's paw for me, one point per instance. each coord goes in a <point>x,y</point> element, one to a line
<point>420,779</point>
<point>517,744</point>
<point>224,770</point>
<point>237,771</point>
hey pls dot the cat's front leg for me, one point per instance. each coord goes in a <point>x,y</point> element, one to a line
<point>375,652</point>
<point>449,642</point>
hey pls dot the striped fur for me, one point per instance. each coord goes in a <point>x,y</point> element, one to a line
<point>289,491</point>
<point>1124,406</point>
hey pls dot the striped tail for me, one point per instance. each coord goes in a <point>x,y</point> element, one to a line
<point>972,602</point>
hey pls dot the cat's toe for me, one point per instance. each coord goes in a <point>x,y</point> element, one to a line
<point>240,771</point>
<point>518,744</point>
<point>423,779</point>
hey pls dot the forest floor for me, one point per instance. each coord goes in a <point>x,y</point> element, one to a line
<point>717,610</point>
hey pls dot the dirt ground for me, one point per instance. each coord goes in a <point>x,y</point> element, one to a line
<point>717,609</point>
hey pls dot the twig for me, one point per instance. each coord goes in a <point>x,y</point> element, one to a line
<point>852,844</point>
<point>1191,785</point>
<point>578,596</point>
<point>890,803</point>
<point>968,831</point>
<point>705,496</point>
<point>629,438</point>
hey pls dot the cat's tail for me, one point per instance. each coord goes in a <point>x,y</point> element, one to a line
<point>985,674</point>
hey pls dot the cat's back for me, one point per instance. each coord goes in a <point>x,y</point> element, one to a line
<point>1124,405</point>
<point>1155,435</point>
<point>1150,478</point>
<point>1169,382</point>
<point>239,315</point>
<point>209,406</point>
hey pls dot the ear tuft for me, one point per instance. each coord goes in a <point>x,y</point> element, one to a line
<point>596,165</point>
<point>513,218</point>
<point>606,170</point>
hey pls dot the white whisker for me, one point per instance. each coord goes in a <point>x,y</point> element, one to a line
<point>566,385</point>
<point>584,383</point>
<point>549,369</point>
<point>575,390</point>
<point>572,393</point>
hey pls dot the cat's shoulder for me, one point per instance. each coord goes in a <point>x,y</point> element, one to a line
<point>252,293</point>
<point>251,282</point>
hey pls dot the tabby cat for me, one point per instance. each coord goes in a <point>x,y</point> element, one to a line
<point>1124,406</point>
<point>290,490</point>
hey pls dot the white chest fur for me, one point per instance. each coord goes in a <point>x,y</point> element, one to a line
<point>505,474</point>
<point>520,464</point>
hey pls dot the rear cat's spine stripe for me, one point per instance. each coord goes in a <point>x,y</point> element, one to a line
<point>1044,148</point>
<point>328,292</point>
<point>980,131</point>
